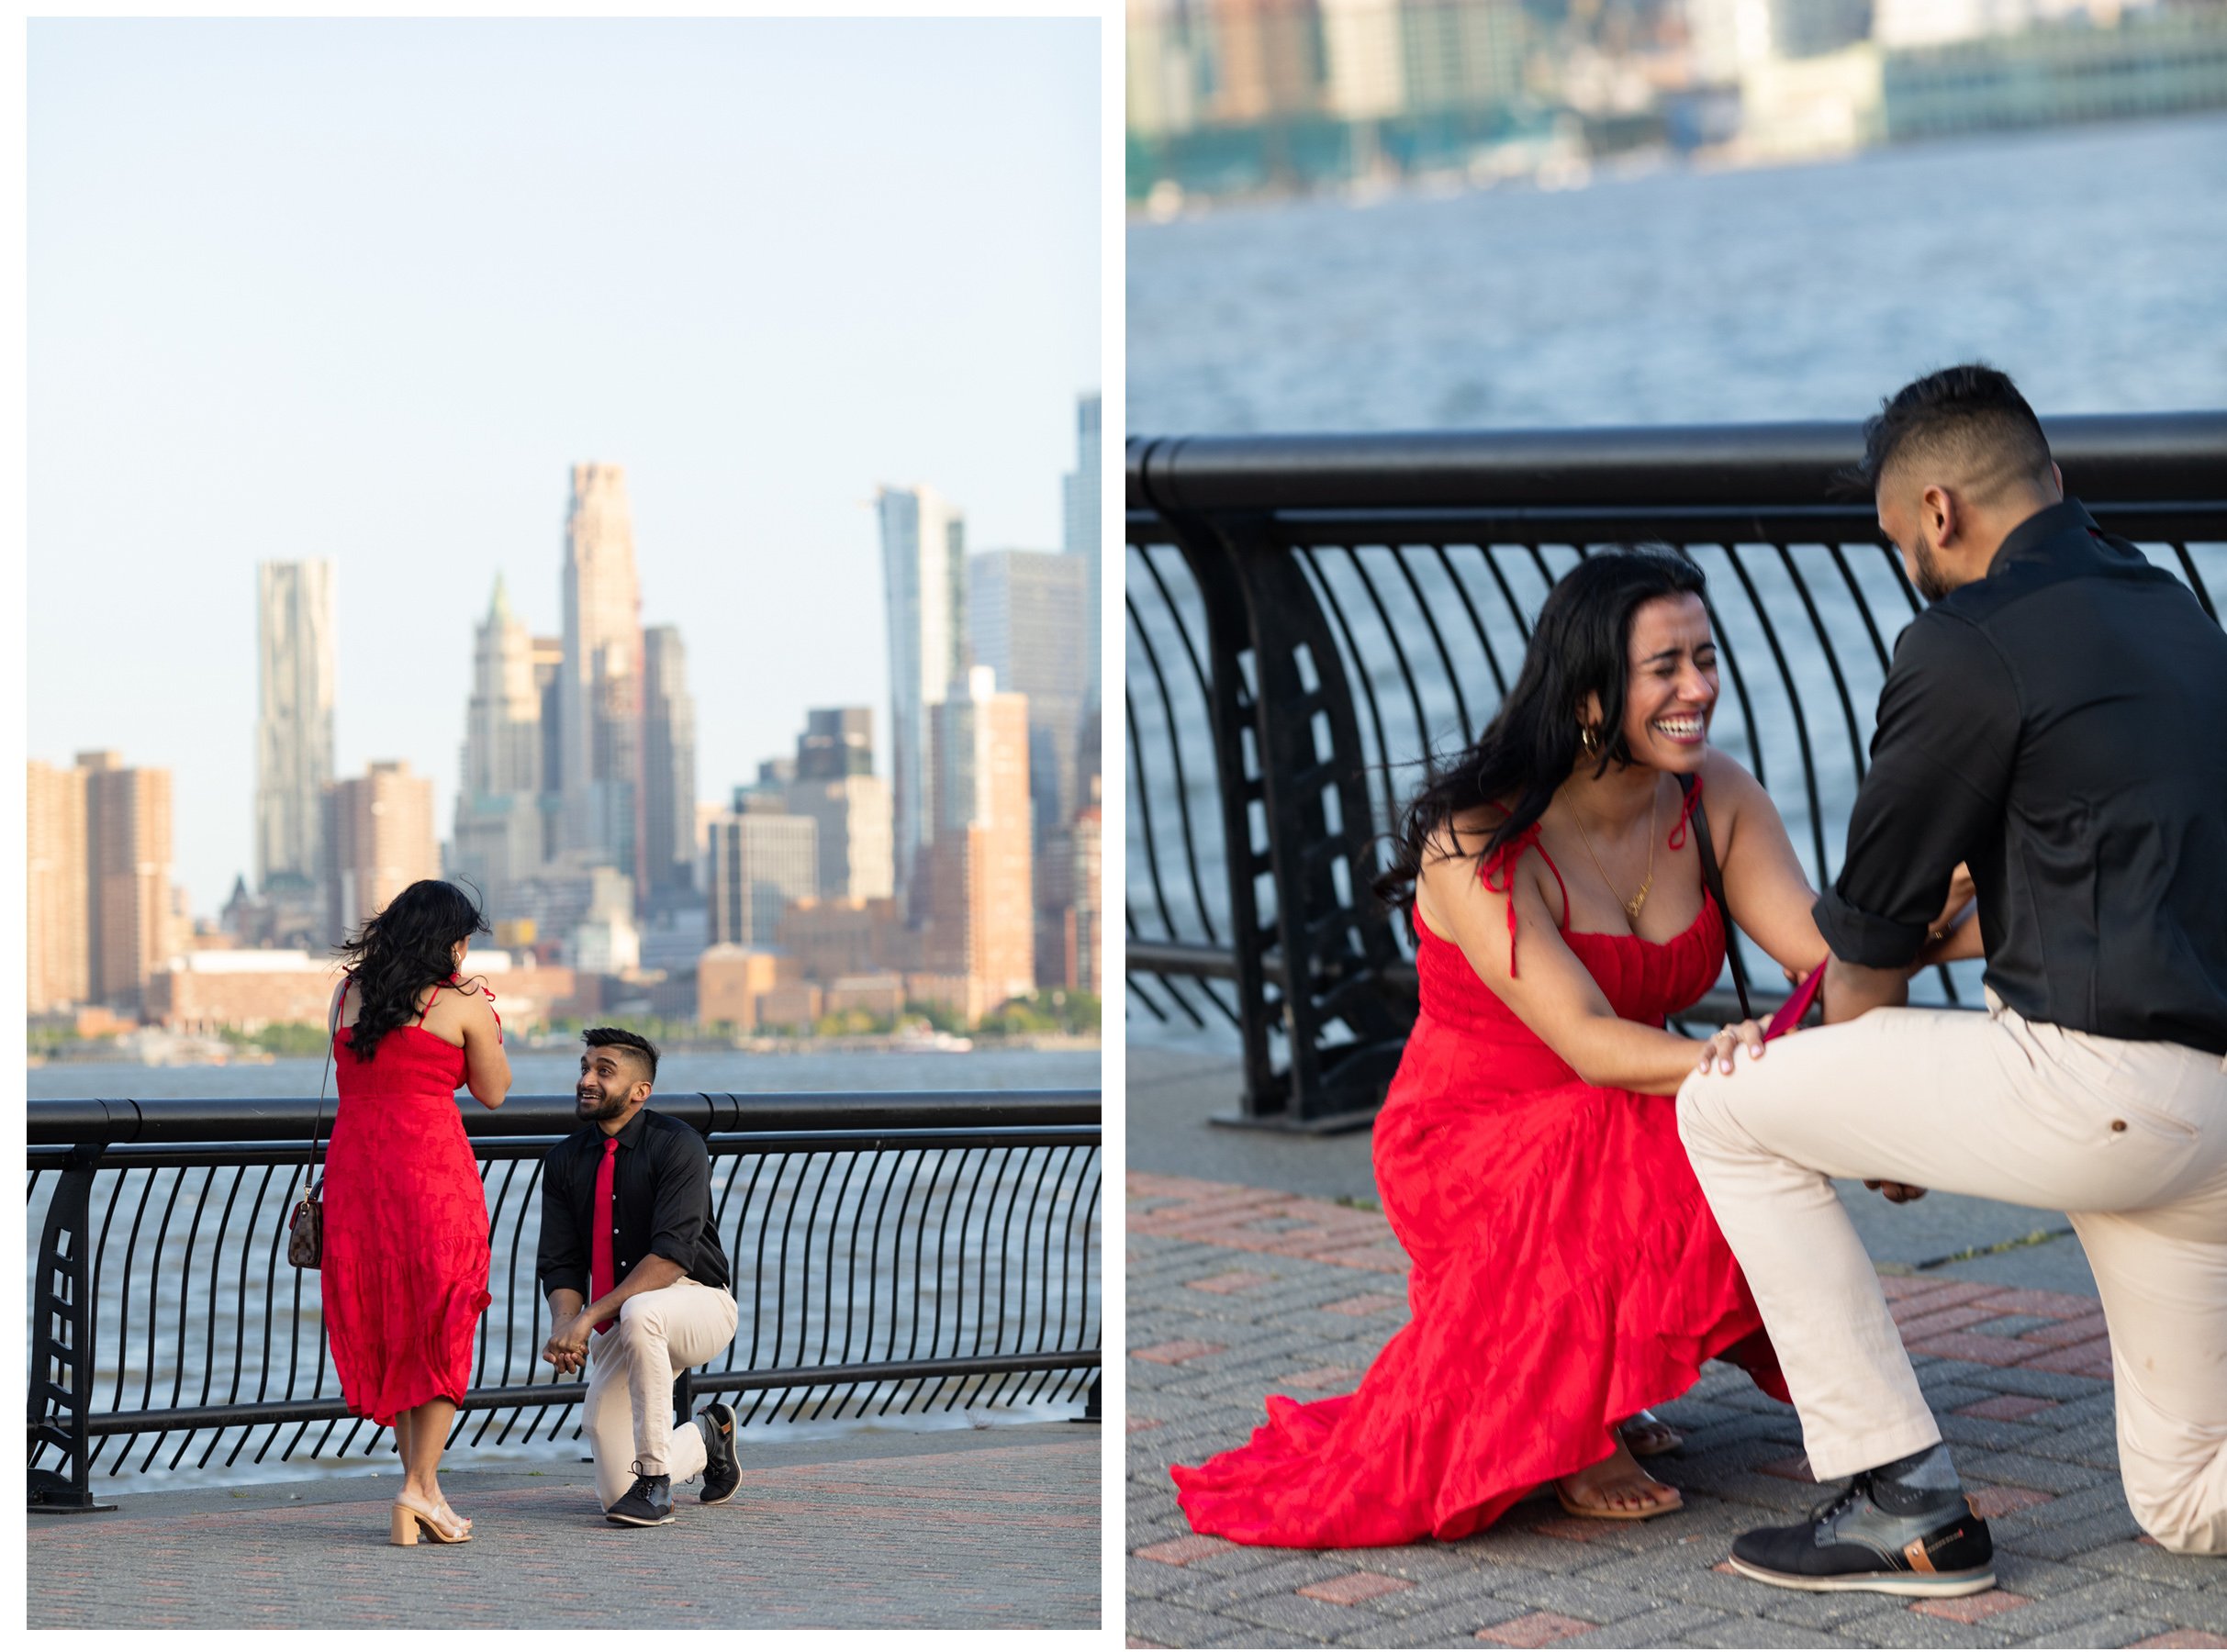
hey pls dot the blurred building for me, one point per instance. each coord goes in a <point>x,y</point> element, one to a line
<point>204,991</point>
<point>129,868</point>
<point>880,995</point>
<point>378,841</point>
<point>668,771</point>
<point>837,743</point>
<point>673,937</point>
<point>297,631</point>
<point>549,683</point>
<point>548,910</point>
<point>923,557</point>
<point>834,787</point>
<point>2157,61</point>
<point>1082,500</point>
<point>599,695</point>
<point>732,980</point>
<point>1026,622</point>
<point>499,835</point>
<point>1087,938</point>
<point>57,902</point>
<point>833,938</point>
<point>983,906</point>
<point>760,862</point>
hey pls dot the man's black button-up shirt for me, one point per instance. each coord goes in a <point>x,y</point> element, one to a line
<point>2060,725</point>
<point>661,1204</point>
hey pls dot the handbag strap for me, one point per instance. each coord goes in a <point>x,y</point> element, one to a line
<point>332,1031</point>
<point>1713,880</point>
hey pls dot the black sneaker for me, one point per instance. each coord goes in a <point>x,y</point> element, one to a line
<point>648,1501</point>
<point>1852,1543</point>
<point>723,1473</point>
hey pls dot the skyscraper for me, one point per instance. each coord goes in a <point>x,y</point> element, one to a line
<point>549,684</point>
<point>1089,838</point>
<point>983,910</point>
<point>836,788</point>
<point>760,862</point>
<point>837,741</point>
<point>498,836</point>
<point>378,842</point>
<point>600,690</point>
<point>1082,497</point>
<point>669,770</point>
<point>295,632</point>
<point>55,897</point>
<point>128,874</point>
<point>924,546</point>
<point>1025,621</point>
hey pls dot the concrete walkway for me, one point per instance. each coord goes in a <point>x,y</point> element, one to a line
<point>995,1528</point>
<point>1237,1289</point>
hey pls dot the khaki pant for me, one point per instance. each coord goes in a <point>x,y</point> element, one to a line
<point>628,1414</point>
<point>2130,1138</point>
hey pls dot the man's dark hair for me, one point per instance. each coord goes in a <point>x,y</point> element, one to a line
<point>598,1038</point>
<point>1971,417</point>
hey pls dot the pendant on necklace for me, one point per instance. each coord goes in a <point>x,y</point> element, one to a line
<point>1631,907</point>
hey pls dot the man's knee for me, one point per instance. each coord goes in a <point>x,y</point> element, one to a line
<point>1703,1119</point>
<point>640,1319</point>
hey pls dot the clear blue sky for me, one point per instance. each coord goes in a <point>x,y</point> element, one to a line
<point>365,290</point>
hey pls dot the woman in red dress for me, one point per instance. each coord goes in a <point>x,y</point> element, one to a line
<point>1566,1272</point>
<point>406,1217</point>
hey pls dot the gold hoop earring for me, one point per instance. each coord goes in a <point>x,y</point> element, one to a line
<point>1590,738</point>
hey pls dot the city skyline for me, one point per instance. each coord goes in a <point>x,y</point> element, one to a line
<point>408,416</point>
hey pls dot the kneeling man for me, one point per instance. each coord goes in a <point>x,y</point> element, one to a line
<point>637,1283</point>
<point>2057,719</point>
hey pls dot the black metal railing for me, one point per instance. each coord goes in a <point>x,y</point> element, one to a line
<point>1308,616</point>
<point>891,1254</point>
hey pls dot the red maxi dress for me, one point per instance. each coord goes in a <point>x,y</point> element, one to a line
<point>405,1276</point>
<point>1566,1272</point>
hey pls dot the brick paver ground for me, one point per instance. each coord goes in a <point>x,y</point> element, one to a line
<point>991,1529</point>
<point>1302,1286</point>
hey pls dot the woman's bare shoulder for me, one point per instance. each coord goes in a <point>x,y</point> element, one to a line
<point>1725,778</point>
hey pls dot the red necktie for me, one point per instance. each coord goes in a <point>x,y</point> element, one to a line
<point>602,1275</point>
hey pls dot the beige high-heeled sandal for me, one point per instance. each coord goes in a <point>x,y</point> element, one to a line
<point>442,1525</point>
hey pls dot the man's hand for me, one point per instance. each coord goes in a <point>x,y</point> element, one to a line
<point>567,1346</point>
<point>1896,1192</point>
<point>1963,892</point>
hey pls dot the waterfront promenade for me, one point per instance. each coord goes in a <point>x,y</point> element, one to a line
<point>986,1528</point>
<point>1258,1264</point>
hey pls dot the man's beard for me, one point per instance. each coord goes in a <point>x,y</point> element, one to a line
<point>595,1107</point>
<point>1930,585</point>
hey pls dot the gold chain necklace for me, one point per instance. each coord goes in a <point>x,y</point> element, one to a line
<point>1631,907</point>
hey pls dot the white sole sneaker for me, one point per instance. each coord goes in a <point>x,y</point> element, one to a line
<point>1933,1585</point>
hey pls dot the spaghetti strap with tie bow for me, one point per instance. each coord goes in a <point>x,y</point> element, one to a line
<point>1500,865</point>
<point>1691,801</point>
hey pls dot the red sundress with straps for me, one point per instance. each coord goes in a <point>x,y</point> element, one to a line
<point>405,1276</point>
<point>1565,1271</point>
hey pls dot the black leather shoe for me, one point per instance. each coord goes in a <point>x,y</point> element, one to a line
<point>648,1501</point>
<point>1851,1542</point>
<point>723,1473</point>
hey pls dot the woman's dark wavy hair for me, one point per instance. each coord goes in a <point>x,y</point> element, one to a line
<point>1580,646</point>
<point>401,951</point>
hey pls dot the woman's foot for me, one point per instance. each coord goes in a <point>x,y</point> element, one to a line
<point>427,1495</point>
<point>1647,1435</point>
<point>414,1517</point>
<point>1616,1488</point>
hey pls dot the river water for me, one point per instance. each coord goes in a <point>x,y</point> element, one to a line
<point>2085,261</point>
<point>835,1256</point>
